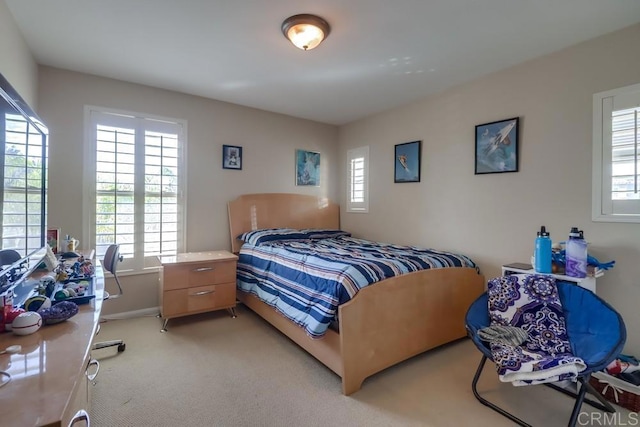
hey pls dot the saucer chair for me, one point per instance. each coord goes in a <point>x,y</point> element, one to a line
<point>596,333</point>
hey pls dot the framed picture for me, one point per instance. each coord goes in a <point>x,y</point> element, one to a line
<point>497,147</point>
<point>53,239</point>
<point>307,168</point>
<point>231,157</point>
<point>407,162</point>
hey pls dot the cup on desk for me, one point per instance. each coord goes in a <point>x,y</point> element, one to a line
<point>70,244</point>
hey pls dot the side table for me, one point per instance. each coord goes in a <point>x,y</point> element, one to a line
<point>588,282</point>
<point>197,282</point>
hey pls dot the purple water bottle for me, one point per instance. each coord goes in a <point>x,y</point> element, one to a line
<point>576,254</point>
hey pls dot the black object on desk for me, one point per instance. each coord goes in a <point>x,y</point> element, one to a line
<point>67,255</point>
<point>519,266</point>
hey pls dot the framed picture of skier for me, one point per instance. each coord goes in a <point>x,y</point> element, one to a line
<point>407,162</point>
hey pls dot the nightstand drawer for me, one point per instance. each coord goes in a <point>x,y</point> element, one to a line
<point>198,274</point>
<point>203,298</point>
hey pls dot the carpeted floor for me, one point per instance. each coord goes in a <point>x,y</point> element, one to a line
<point>212,370</point>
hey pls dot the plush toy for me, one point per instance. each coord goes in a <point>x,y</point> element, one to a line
<point>559,258</point>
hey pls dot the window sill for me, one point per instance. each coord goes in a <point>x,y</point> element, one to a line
<point>616,218</point>
<point>124,273</point>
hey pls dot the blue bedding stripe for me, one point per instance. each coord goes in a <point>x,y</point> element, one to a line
<point>307,280</point>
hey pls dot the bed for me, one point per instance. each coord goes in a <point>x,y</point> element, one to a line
<point>383,324</point>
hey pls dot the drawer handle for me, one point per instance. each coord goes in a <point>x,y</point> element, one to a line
<point>81,415</point>
<point>199,294</point>
<point>198,270</point>
<point>95,363</point>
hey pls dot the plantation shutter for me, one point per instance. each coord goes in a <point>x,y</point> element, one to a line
<point>138,192</point>
<point>23,177</point>
<point>358,187</point>
<point>621,157</point>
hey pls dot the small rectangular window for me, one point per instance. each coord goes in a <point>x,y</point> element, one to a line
<point>358,186</point>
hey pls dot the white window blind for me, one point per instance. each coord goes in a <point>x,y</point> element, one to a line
<point>624,154</point>
<point>616,155</point>
<point>138,186</point>
<point>358,185</point>
<point>24,177</point>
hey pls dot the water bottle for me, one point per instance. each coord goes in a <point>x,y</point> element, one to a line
<point>543,251</point>
<point>576,254</point>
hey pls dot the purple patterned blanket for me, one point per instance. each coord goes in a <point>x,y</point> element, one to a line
<point>531,302</point>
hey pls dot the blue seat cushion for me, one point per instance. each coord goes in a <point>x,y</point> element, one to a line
<point>596,331</point>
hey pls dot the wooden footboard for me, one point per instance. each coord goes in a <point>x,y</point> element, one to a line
<point>387,323</point>
<point>401,317</point>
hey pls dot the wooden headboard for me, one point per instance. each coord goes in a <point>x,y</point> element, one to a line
<point>279,210</point>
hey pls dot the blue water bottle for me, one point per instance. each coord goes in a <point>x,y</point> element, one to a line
<point>543,251</point>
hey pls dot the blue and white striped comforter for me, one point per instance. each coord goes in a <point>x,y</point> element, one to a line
<point>307,280</point>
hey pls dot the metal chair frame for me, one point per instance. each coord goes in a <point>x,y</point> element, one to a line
<point>110,262</point>
<point>582,386</point>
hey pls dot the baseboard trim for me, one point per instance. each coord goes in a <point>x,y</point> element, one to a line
<point>153,311</point>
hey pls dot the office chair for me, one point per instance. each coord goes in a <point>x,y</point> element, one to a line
<point>596,334</point>
<point>110,263</point>
<point>9,256</point>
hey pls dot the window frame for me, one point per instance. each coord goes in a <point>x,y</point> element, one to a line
<point>137,264</point>
<point>351,206</point>
<point>35,137</point>
<point>604,209</point>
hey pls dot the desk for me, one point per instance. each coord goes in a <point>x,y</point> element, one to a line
<point>49,377</point>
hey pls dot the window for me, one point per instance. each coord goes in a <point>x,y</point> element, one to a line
<point>138,186</point>
<point>358,182</point>
<point>616,155</point>
<point>24,184</point>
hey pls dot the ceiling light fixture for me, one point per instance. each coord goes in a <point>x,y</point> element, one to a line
<point>305,31</point>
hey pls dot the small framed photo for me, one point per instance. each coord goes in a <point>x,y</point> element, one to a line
<point>407,162</point>
<point>53,239</point>
<point>497,146</point>
<point>307,168</point>
<point>231,157</point>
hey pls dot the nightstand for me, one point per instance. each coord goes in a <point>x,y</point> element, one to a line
<point>197,282</point>
<point>588,282</point>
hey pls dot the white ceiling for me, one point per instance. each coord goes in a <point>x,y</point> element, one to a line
<point>380,54</point>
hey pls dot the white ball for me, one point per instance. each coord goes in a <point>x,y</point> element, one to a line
<point>26,323</point>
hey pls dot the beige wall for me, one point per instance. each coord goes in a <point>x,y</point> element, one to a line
<point>494,218</point>
<point>16,62</point>
<point>269,141</point>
